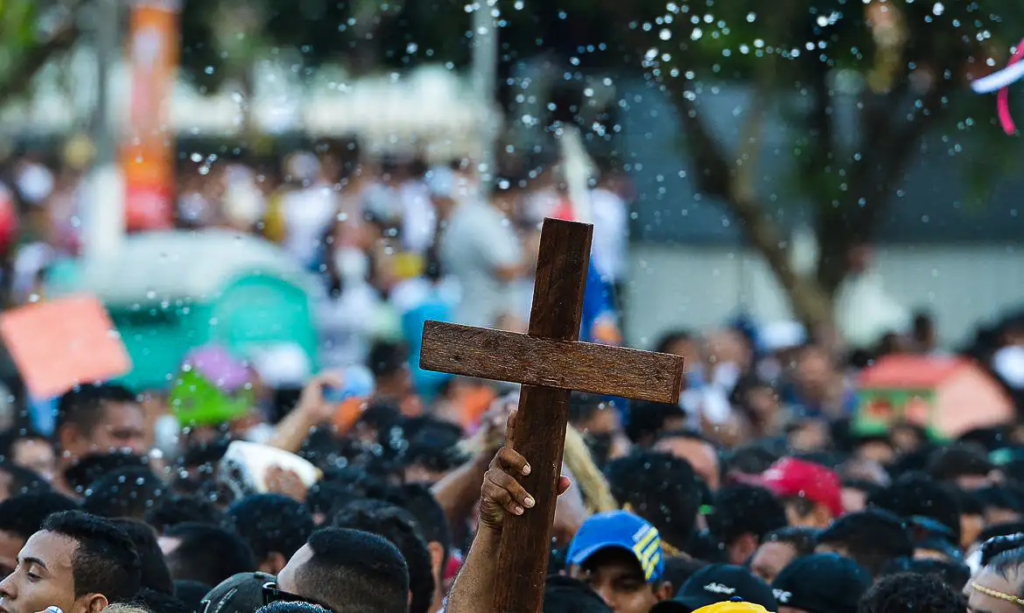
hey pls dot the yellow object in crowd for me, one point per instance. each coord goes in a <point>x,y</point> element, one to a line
<point>732,607</point>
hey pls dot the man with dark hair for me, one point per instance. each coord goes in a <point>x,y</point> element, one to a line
<point>964,465</point>
<point>98,418</point>
<point>273,525</point>
<point>821,583</point>
<point>662,489</point>
<point>429,452</point>
<point>128,492</point>
<point>156,575</point>
<point>89,468</point>
<point>76,562</point>
<point>743,515</point>
<point>911,593</point>
<point>16,481</point>
<point>30,450</point>
<point>390,367</point>
<point>695,449</point>
<point>916,494</point>
<point>780,547</point>
<point>350,571</point>
<point>999,585</point>
<point>192,593</point>
<point>620,556</point>
<point>567,595</point>
<point>1000,504</point>
<point>169,511</point>
<point>433,523</point>
<point>205,553</point>
<point>20,518</point>
<point>954,574</point>
<point>649,420</point>
<point>600,423</point>
<point>872,538</point>
<point>400,528</point>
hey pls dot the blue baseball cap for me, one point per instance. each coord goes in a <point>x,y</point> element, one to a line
<point>620,530</point>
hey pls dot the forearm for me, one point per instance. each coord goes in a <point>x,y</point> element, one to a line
<point>291,431</point>
<point>459,490</point>
<point>474,587</point>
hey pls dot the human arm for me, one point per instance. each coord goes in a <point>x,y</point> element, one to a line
<point>312,409</point>
<point>500,496</point>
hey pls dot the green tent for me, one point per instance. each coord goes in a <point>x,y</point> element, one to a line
<point>168,292</point>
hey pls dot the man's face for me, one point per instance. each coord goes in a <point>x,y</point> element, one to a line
<point>286,578</point>
<point>43,577</point>
<point>121,427</point>
<point>790,610</point>
<point>770,558</point>
<point>10,545</point>
<point>617,578</point>
<point>819,517</point>
<point>36,455</point>
<point>979,602</point>
<point>701,456</point>
<point>854,499</point>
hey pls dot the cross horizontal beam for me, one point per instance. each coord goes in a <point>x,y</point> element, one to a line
<point>567,365</point>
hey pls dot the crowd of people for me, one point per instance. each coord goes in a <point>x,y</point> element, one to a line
<point>754,493</point>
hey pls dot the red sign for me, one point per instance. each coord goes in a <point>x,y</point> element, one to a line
<point>148,154</point>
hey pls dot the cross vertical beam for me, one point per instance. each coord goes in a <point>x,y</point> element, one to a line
<point>550,362</point>
<point>543,414</point>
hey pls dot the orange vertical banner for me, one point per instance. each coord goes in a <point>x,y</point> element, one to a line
<point>148,153</point>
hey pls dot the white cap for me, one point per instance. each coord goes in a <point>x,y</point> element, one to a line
<point>781,335</point>
<point>282,365</point>
<point>1008,362</point>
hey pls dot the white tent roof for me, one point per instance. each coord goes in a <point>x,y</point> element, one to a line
<point>176,265</point>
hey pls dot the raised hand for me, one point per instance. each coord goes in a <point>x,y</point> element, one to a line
<point>501,494</point>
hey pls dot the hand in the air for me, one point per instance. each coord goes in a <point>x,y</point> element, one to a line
<point>312,402</point>
<point>286,482</point>
<point>501,493</point>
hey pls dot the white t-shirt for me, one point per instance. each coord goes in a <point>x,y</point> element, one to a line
<point>477,241</point>
<point>611,234</point>
<point>418,217</point>
<point>307,215</point>
<point>347,325</point>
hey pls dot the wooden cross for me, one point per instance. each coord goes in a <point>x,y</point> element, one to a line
<point>550,362</point>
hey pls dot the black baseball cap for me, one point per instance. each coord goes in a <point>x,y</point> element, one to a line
<point>822,583</point>
<point>718,583</point>
<point>241,593</point>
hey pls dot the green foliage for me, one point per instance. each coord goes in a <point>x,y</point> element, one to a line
<point>18,31</point>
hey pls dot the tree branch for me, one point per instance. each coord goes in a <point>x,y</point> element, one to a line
<point>17,80</point>
<point>893,139</point>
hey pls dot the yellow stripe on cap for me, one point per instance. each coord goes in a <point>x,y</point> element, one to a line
<point>647,551</point>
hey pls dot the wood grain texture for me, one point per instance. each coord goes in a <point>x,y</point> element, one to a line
<point>561,280</point>
<point>526,540</point>
<point>543,413</point>
<point>550,362</point>
<point>567,365</point>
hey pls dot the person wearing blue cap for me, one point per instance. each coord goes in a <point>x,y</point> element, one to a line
<point>619,555</point>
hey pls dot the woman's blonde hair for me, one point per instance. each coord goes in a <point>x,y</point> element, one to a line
<point>122,607</point>
<point>578,460</point>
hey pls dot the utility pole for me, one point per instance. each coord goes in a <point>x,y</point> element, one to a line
<point>485,76</point>
<point>103,217</point>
